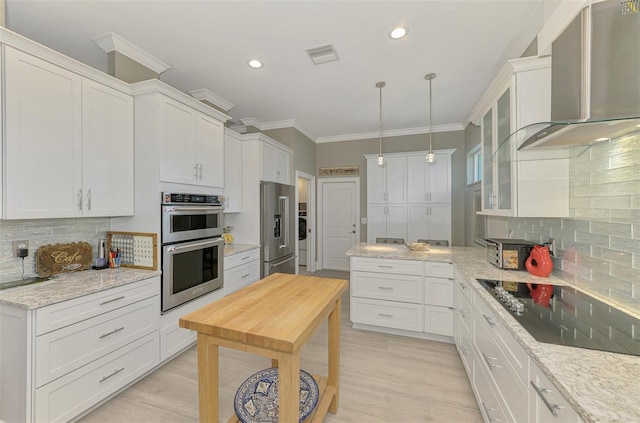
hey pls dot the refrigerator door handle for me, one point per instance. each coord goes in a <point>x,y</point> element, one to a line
<point>284,211</point>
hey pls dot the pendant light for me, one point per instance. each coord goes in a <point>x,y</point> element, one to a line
<point>430,156</point>
<point>379,85</point>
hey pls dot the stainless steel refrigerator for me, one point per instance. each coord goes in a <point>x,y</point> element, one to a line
<point>277,228</point>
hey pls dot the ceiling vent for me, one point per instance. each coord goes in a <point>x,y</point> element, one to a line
<point>322,54</point>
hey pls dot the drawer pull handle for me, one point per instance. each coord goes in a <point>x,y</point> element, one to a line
<point>490,320</point>
<point>541,391</point>
<point>385,287</point>
<point>111,333</point>
<point>463,314</point>
<point>111,375</point>
<point>462,285</point>
<point>488,360</point>
<point>385,266</point>
<point>486,410</point>
<point>246,276</point>
<point>245,257</point>
<point>385,315</point>
<point>466,350</point>
<point>112,300</point>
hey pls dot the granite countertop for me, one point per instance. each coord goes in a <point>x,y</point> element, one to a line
<point>67,286</point>
<point>601,386</point>
<point>230,250</point>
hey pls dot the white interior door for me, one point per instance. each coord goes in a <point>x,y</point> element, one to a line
<point>340,214</point>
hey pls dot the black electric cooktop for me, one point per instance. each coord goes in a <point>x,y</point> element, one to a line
<point>565,316</point>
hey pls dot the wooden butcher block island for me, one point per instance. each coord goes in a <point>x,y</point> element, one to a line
<point>273,317</point>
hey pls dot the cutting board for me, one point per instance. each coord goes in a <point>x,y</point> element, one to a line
<point>62,258</point>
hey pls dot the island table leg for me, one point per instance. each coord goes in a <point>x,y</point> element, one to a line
<point>289,388</point>
<point>334,354</point>
<point>208,373</point>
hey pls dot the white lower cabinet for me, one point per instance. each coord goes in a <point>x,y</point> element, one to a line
<point>404,295</point>
<point>241,270</point>
<point>508,386</point>
<point>546,404</point>
<point>69,356</point>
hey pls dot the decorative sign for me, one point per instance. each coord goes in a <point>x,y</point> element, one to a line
<point>62,258</point>
<point>339,171</point>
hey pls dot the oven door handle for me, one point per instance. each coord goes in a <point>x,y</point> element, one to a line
<point>193,245</point>
<point>187,208</point>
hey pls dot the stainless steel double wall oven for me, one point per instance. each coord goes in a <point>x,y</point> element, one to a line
<point>192,247</point>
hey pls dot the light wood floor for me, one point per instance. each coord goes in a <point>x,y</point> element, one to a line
<point>383,378</point>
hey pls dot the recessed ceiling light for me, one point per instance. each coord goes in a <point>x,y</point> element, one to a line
<point>601,139</point>
<point>398,32</point>
<point>256,64</point>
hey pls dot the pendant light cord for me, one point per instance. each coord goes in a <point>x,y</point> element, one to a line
<point>430,116</point>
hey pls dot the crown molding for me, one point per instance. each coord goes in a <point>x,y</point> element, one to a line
<point>203,94</point>
<point>153,86</point>
<point>392,133</point>
<point>111,41</point>
<point>278,124</point>
<point>253,122</point>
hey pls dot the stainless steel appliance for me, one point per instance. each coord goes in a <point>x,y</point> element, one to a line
<point>508,253</point>
<point>595,78</point>
<point>192,247</point>
<point>277,228</point>
<point>562,315</point>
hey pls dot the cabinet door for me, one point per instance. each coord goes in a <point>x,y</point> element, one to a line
<point>397,221</point>
<point>376,182</point>
<point>107,150</point>
<point>438,292</point>
<point>396,174</point>
<point>210,151</point>
<point>268,157</point>
<point>177,133</point>
<point>376,222</point>
<point>438,320</point>
<point>417,179</point>
<point>417,222</point>
<point>440,222</point>
<point>282,166</point>
<point>439,177</point>
<point>487,159</point>
<point>503,130</point>
<point>43,136</point>
<point>232,174</point>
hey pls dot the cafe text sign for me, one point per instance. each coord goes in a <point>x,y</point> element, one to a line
<point>61,258</point>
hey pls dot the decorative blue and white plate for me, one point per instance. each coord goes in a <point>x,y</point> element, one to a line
<point>257,398</point>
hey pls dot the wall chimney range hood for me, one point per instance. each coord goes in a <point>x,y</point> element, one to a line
<point>595,79</point>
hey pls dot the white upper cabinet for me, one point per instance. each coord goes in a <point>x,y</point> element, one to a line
<point>520,183</point>
<point>429,182</point>
<point>276,163</point>
<point>232,172</point>
<point>191,145</point>
<point>387,183</point>
<point>107,150</point>
<point>68,143</point>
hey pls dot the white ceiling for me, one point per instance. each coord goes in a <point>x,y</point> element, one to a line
<point>207,44</point>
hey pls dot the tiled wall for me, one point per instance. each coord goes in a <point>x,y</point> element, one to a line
<point>44,232</point>
<point>599,248</point>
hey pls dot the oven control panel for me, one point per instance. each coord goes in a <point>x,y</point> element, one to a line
<point>181,198</point>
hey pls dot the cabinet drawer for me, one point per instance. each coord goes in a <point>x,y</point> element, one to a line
<point>509,385</point>
<point>438,270</point>
<point>544,393</point>
<point>515,355</point>
<point>403,267</point>
<point>465,314</point>
<point>387,314</point>
<point>69,312</point>
<point>490,405</point>
<point>236,260</point>
<point>405,288</point>
<point>70,395</point>
<point>64,350</point>
<point>438,292</point>
<point>241,276</point>
<point>438,320</point>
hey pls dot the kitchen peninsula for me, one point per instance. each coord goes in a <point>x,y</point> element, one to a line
<point>594,386</point>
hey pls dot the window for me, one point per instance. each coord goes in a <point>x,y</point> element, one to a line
<point>474,165</point>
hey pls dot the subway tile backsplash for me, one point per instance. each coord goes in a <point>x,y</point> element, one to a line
<point>42,232</point>
<point>599,246</point>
